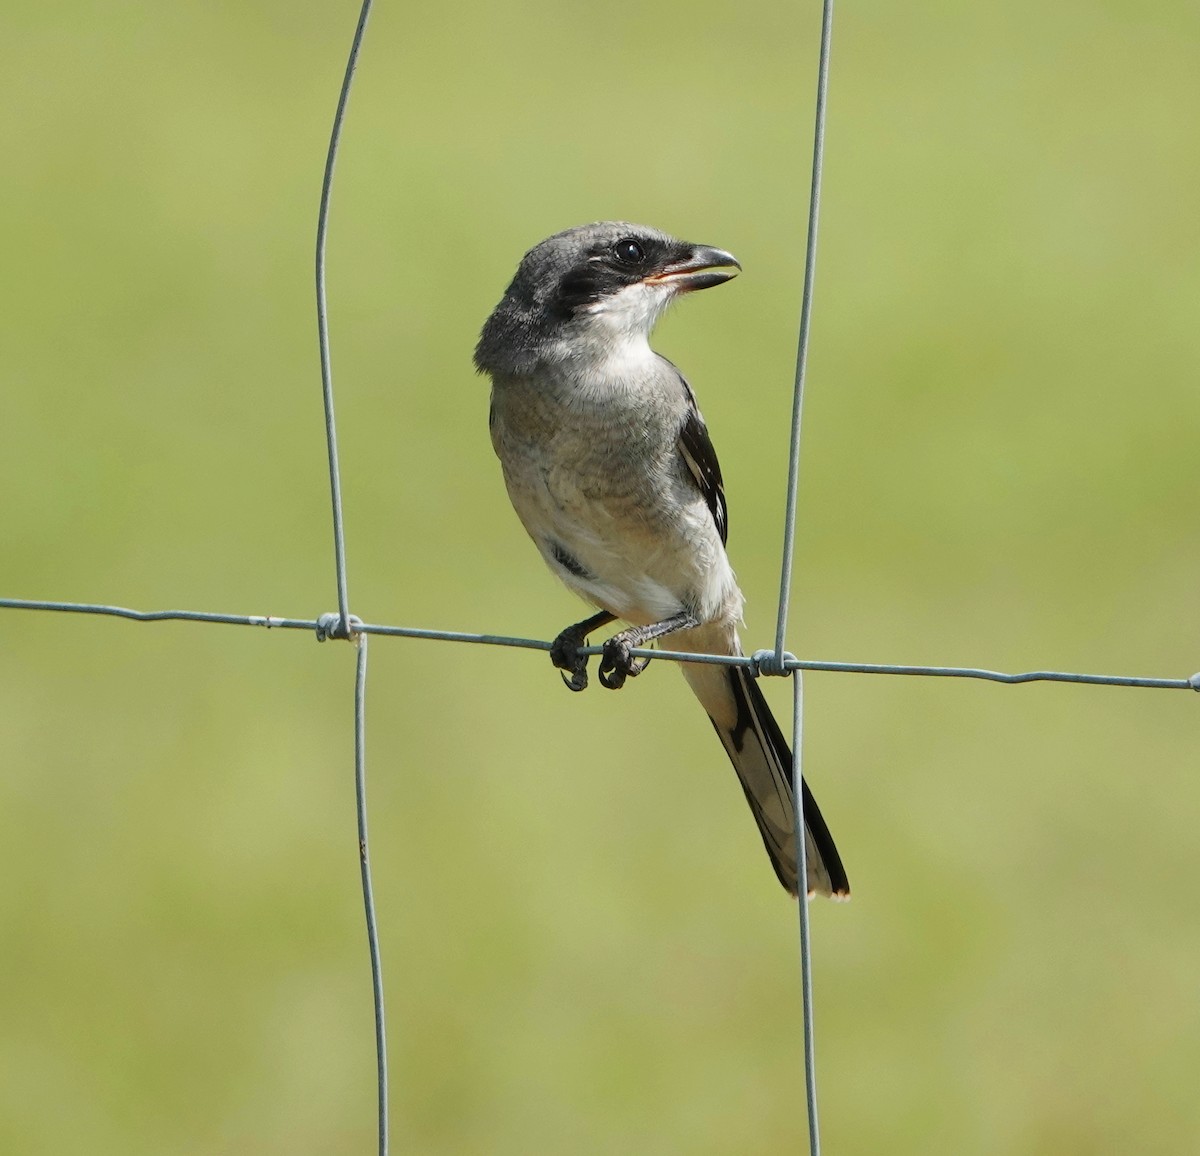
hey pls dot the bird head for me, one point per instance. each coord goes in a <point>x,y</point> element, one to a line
<point>595,288</point>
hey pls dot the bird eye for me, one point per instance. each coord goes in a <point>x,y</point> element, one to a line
<point>628,251</point>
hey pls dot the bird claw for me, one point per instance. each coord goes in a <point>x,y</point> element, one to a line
<point>578,680</point>
<point>617,664</point>
<point>564,653</point>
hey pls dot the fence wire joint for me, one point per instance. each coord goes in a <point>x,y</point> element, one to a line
<point>768,663</point>
<point>333,625</point>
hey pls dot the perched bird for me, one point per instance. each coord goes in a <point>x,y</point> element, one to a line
<point>609,466</point>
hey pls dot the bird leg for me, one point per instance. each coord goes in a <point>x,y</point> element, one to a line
<point>617,664</point>
<point>564,652</point>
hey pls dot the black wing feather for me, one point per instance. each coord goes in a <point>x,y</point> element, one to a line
<point>701,459</point>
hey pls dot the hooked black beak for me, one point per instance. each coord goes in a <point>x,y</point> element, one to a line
<point>702,268</point>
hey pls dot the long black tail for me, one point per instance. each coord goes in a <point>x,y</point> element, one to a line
<point>763,762</point>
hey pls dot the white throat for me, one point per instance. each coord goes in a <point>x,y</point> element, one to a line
<point>609,346</point>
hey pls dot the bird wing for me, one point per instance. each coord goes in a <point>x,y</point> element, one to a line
<point>696,449</point>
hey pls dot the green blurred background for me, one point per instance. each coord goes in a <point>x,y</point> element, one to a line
<point>586,951</point>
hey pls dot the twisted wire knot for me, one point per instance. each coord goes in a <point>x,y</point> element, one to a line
<point>766,662</point>
<point>331,626</point>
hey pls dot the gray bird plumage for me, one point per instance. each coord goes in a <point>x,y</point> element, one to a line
<point>610,468</point>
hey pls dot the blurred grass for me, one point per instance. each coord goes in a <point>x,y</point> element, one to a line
<point>585,950</point>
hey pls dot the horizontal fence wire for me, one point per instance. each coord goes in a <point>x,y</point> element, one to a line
<point>760,661</point>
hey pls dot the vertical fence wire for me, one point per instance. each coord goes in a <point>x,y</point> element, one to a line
<point>345,624</point>
<point>785,576</point>
<point>364,862</point>
<point>810,264</point>
<point>335,482</point>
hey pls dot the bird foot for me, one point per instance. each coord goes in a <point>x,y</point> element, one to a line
<point>564,653</point>
<point>617,664</point>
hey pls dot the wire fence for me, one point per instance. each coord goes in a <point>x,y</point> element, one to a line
<point>777,661</point>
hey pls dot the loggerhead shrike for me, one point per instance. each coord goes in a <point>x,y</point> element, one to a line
<point>610,468</point>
